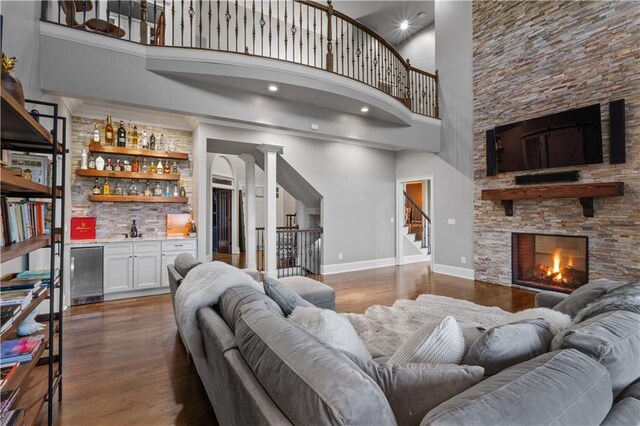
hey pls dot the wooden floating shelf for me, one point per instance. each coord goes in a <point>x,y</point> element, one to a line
<point>127,175</point>
<point>135,199</point>
<point>115,150</point>
<point>13,185</point>
<point>585,192</point>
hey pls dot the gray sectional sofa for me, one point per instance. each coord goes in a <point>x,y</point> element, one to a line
<point>259,368</point>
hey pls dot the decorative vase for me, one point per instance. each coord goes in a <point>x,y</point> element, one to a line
<point>9,82</point>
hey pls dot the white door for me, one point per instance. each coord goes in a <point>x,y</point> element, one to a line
<point>146,270</point>
<point>118,272</point>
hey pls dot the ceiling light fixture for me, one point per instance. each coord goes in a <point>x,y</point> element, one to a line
<point>364,109</point>
<point>273,88</point>
<point>404,25</point>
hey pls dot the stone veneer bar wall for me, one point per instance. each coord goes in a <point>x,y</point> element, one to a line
<point>536,58</point>
<point>114,219</point>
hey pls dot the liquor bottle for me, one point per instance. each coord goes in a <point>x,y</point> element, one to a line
<point>153,169</point>
<point>145,140</point>
<point>134,137</point>
<point>106,187</point>
<point>109,166</point>
<point>118,189</point>
<point>152,142</point>
<point>147,190</point>
<point>122,135</point>
<point>133,232</point>
<point>96,134</point>
<point>126,166</point>
<point>100,163</point>
<point>167,191</point>
<point>108,132</point>
<point>167,168</point>
<point>174,168</point>
<point>171,146</point>
<point>96,188</point>
<point>183,192</point>
<point>133,188</point>
<point>83,159</point>
<point>92,162</point>
<point>157,190</point>
<point>161,144</point>
<point>175,192</point>
<point>135,167</point>
<point>159,168</point>
<point>118,166</point>
<point>144,168</point>
<point>129,133</point>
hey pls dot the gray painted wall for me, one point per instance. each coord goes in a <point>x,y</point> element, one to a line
<point>420,49</point>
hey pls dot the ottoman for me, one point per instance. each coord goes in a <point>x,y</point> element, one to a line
<point>320,294</point>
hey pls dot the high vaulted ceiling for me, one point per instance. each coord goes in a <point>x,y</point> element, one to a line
<point>384,17</point>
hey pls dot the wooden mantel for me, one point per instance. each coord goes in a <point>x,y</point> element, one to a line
<point>585,192</point>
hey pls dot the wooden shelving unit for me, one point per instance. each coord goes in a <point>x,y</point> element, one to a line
<point>135,199</point>
<point>24,247</point>
<point>127,175</point>
<point>116,150</point>
<point>18,186</point>
<point>585,192</point>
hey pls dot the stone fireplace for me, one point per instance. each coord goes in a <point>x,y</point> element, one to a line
<point>553,262</point>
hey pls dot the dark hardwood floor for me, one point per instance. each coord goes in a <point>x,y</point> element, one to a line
<point>124,363</point>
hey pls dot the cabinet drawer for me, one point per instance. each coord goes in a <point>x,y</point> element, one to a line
<point>150,247</point>
<point>178,245</point>
<point>118,248</point>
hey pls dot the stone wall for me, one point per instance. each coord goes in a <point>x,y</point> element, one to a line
<point>536,58</point>
<point>115,218</point>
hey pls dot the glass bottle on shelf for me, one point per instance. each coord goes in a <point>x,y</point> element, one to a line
<point>152,142</point>
<point>83,159</point>
<point>157,190</point>
<point>153,169</point>
<point>167,168</point>
<point>183,192</point>
<point>118,189</point>
<point>109,166</point>
<point>159,168</point>
<point>161,143</point>
<point>134,137</point>
<point>108,132</point>
<point>100,163</point>
<point>135,167</point>
<point>145,140</point>
<point>167,191</point>
<point>92,162</point>
<point>171,146</point>
<point>118,166</point>
<point>176,191</point>
<point>174,168</point>
<point>96,188</point>
<point>144,168</point>
<point>126,166</point>
<point>147,190</point>
<point>122,135</point>
<point>133,189</point>
<point>96,134</point>
<point>129,133</point>
<point>106,187</point>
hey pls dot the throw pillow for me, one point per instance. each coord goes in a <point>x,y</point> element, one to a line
<point>331,329</point>
<point>623,298</point>
<point>442,344</point>
<point>286,298</point>
<point>506,345</point>
<point>585,295</point>
<point>415,389</point>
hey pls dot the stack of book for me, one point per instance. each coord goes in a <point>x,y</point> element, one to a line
<point>16,294</point>
<point>23,220</point>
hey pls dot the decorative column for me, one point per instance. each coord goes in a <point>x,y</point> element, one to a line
<point>250,208</point>
<point>270,219</point>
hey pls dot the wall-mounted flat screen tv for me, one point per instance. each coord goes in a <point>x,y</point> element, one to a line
<point>568,138</point>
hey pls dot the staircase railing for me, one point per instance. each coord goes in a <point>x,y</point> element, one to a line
<point>418,222</point>
<point>298,31</point>
<point>298,251</point>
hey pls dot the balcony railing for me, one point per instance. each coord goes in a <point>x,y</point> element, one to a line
<point>298,251</point>
<point>297,31</point>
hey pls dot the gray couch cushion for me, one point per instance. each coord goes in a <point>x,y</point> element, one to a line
<point>624,413</point>
<point>233,299</point>
<point>315,292</point>
<point>631,391</point>
<point>549,299</point>
<point>561,388</point>
<point>415,389</point>
<point>585,295</point>
<point>308,382</point>
<point>284,296</point>
<point>613,339</point>
<point>184,263</point>
<point>506,345</point>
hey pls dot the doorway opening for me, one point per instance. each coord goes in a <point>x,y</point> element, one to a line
<point>414,218</point>
<point>222,217</point>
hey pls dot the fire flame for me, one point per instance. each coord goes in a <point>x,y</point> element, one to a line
<point>556,264</point>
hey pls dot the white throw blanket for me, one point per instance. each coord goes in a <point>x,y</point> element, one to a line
<point>202,287</point>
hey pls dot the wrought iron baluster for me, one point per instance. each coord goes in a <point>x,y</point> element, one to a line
<point>191,14</point>
<point>278,27</point>
<point>253,20</point>
<point>182,23</point>
<point>173,27</point>
<point>227,17</point>
<point>300,31</point>
<point>200,23</point>
<point>342,45</point>
<point>321,42</point>
<point>209,2</point>
<point>84,12</point>
<point>218,19</point>
<point>270,31</point>
<point>130,10</point>
<point>244,22</point>
<point>236,25</point>
<point>285,31</point>
<point>308,44</point>
<point>315,32</point>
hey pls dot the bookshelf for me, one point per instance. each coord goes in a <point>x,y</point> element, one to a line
<point>40,379</point>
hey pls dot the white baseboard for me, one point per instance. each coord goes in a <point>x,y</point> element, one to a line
<point>357,266</point>
<point>456,271</point>
<point>415,258</point>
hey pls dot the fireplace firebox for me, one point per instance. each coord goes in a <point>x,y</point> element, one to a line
<point>552,262</point>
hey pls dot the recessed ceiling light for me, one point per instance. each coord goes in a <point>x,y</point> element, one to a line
<point>273,88</point>
<point>404,25</point>
<point>364,109</point>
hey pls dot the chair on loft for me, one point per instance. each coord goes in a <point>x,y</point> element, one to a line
<point>71,7</point>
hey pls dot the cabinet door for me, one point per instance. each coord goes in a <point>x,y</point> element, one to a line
<point>118,272</point>
<point>146,271</point>
<point>167,259</point>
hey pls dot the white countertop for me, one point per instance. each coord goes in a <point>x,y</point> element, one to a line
<point>121,239</point>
